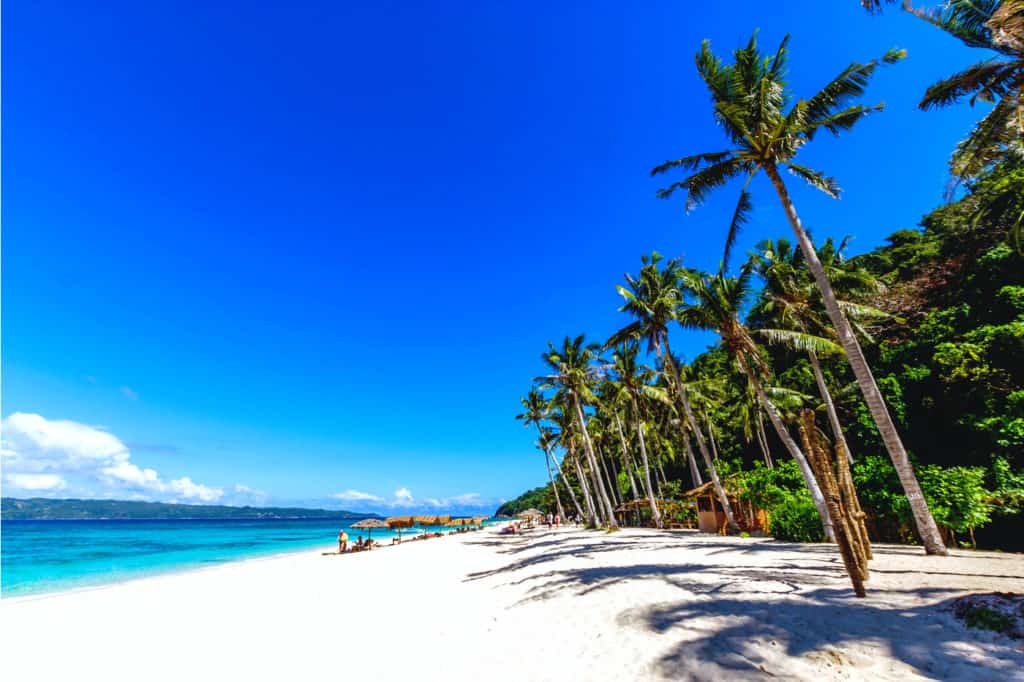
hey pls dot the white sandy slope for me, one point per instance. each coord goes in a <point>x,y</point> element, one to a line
<point>549,605</point>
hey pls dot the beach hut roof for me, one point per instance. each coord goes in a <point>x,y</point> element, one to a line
<point>728,483</point>
<point>530,512</point>
<point>371,523</point>
<point>400,521</point>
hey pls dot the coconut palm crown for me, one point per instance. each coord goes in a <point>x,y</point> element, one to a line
<point>752,106</point>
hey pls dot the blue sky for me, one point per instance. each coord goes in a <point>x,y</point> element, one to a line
<point>318,248</point>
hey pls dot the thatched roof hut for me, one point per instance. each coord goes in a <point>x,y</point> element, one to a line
<point>400,521</point>
<point>711,516</point>
<point>531,513</point>
<point>433,520</point>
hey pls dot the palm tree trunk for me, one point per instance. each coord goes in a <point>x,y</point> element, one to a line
<point>723,499</point>
<point>547,460</point>
<point>628,461</point>
<point>606,474</point>
<point>698,480</point>
<point>588,447</point>
<point>664,478</point>
<point>554,488</point>
<point>830,408</point>
<point>762,440</point>
<point>923,519</point>
<point>591,512</point>
<point>648,488</point>
<point>711,437</point>
<point>787,440</point>
<point>561,474</point>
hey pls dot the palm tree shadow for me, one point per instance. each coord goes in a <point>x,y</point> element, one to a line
<point>822,626</point>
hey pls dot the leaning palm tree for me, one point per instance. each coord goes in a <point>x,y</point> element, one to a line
<point>653,300</point>
<point>716,306</point>
<point>630,381</point>
<point>572,378</point>
<point>566,438</point>
<point>751,104</point>
<point>536,410</point>
<point>998,27</point>
<point>611,404</point>
<point>789,308</point>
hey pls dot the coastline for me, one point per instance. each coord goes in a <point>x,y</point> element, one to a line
<point>100,553</point>
<point>636,604</point>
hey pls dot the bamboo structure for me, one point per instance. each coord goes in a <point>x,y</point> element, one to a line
<point>841,498</point>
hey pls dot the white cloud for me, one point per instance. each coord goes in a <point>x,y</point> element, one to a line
<point>42,454</point>
<point>36,481</point>
<point>127,392</point>
<point>357,496</point>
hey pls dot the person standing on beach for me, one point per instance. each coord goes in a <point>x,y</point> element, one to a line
<point>342,541</point>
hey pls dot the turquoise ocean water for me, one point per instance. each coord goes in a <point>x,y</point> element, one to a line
<point>48,556</point>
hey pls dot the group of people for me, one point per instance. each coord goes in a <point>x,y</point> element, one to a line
<point>359,546</point>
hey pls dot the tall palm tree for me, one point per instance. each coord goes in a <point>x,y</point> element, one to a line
<point>790,306</point>
<point>611,401</point>
<point>566,438</point>
<point>717,302</point>
<point>573,377</point>
<point>536,410</point>
<point>653,300</point>
<point>630,380</point>
<point>750,101</point>
<point>996,26</point>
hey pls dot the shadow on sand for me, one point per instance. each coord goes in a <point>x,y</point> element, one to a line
<point>801,604</point>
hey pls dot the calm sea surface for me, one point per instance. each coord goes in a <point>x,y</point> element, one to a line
<point>46,556</point>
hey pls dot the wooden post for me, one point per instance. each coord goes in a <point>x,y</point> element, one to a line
<point>820,461</point>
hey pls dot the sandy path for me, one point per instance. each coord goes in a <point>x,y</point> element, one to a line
<point>567,604</point>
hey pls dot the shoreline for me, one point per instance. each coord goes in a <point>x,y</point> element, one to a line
<point>173,570</point>
<point>546,604</point>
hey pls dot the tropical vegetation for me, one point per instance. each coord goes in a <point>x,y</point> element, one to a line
<point>910,356</point>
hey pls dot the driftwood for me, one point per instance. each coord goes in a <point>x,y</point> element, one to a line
<point>841,499</point>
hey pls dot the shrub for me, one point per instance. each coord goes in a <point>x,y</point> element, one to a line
<point>984,618</point>
<point>795,519</point>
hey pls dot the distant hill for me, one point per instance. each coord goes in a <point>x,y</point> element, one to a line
<point>38,508</point>
<point>539,498</point>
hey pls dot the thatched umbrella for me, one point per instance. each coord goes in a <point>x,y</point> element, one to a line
<point>370,524</point>
<point>530,513</point>
<point>400,522</point>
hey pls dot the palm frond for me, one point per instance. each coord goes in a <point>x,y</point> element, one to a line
<point>800,341</point>
<point>816,179</point>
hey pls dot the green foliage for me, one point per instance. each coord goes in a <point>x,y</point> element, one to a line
<point>794,518</point>
<point>984,618</point>
<point>957,496</point>
<point>540,498</point>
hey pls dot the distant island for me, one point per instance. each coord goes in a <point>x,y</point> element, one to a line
<point>39,508</point>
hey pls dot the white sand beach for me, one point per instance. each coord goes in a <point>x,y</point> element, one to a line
<point>547,605</point>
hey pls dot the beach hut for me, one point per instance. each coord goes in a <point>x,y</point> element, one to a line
<point>400,522</point>
<point>711,517</point>
<point>370,524</point>
<point>531,515</point>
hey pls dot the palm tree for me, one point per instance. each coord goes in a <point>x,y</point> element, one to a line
<point>573,377</point>
<point>997,26</point>
<point>717,302</point>
<point>630,380</point>
<point>653,301</point>
<point>789,304</point>
<point>750,104</point>
<point>536,411</point>
<point>567,439</point>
